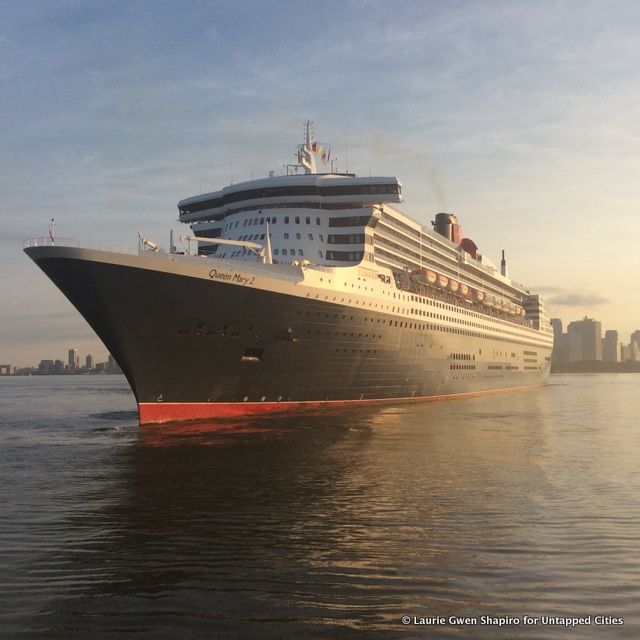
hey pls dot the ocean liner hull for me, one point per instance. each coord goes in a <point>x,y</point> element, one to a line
<point>202,337</point>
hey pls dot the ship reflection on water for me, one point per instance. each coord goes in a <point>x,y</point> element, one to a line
<point>313,524</point>
<point>333,526</point>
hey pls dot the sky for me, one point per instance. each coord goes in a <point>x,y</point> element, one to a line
<point>519,117</point>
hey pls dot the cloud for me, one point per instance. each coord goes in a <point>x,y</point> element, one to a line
<point>578,299</point>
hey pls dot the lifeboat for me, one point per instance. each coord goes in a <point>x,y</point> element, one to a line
<point>480,295</point>
<point>424,276</point>
<point>523,313</point>
<point>443,281</point>
<point>464,290</point>
<point>418,275</point>
<point>489,301</point>
<point>454,285</point>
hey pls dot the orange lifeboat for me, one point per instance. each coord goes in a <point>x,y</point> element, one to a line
<point>424,276</point>
<point>454,285</point>
<point>418,275</point>
<point>443,281</point>
<point>479,295</point>
<point>464,289</point>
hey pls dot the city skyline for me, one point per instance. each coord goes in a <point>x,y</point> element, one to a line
<point>518,118</point>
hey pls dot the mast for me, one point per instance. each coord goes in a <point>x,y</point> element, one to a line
<point>307,157</point>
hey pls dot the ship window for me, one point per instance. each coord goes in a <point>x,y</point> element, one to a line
<point>286,236</point>
<point>244,224</point>
<point>292,252</point>
<point>297,219</point>
<point>262,236</point>
<point>276,252</point>
<point>310,236</point>
<point>298,236</point>
<point>237,223</point>
<point>286,219</point>
<point>300,252</point>
<point>255,221</point>
<point>318,221</point>
<point>274,220</point>
<point>307,220</point>
<point>261,220</point>
<point>284,252</point>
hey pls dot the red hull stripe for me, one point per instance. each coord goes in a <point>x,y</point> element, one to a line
<point>160,412</point>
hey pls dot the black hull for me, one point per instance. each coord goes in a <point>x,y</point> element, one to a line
<point>186,340</point>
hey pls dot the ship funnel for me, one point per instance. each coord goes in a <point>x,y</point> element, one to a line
<point>446,224</point>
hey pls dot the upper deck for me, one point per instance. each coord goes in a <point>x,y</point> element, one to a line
<point>309,191</point>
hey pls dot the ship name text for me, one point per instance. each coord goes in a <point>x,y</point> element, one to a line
<point>232,276</point>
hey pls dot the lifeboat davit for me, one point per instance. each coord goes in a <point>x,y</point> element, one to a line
<point>454,285</point>
<point>443,281</point>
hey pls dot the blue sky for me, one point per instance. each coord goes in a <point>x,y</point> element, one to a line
<point>519,117</point>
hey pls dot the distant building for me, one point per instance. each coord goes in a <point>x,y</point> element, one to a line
<point>624,353</point>
<point>112,365</point>
<point>6,369</point>
<point>585,340</point>
<point>88,362</point>
<point>634,346</point>
<point>560,350</point>
<point>610,346</point>
<point>45,367</point>
<point>73,360</point>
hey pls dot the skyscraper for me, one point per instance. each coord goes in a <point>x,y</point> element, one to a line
<point>559,353</point>
<point>610,346</point>
<point>73,358</point>
<point>88,362</point>
<point>585,340</point>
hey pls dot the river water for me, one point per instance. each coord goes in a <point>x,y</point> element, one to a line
<point>517,512</point>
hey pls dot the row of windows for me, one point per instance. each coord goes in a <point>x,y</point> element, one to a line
<point>461,356</point>
<point>357,238</point>
<point>463,366</point>
<point>345,256</point>
<point>248,222</point>
<point>349,221</point>
<point>276,252</point>
<point>432,327</point>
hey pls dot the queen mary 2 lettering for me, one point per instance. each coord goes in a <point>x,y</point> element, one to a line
<point>307,289</point>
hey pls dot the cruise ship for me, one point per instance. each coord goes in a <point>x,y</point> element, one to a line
<point>305,289</point>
